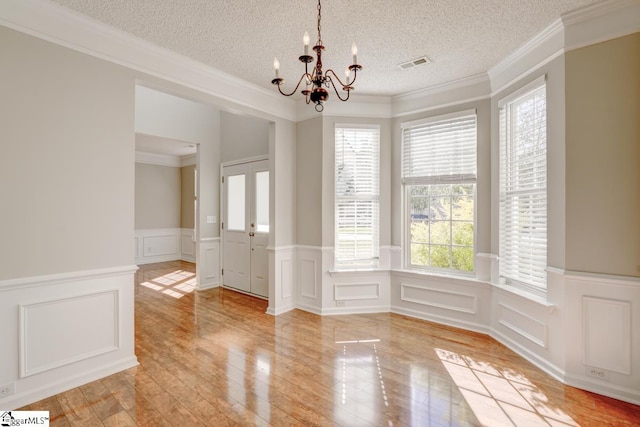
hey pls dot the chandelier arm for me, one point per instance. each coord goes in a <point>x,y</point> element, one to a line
<point>296,88</point>
<point>333,85</point>
<point>336,76</point>
<point>355,69</point>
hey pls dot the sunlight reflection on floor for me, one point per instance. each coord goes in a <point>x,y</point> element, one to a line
<point>499,396</point>
<point>176,284</point>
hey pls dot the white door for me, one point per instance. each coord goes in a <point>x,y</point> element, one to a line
<point>245,227</point>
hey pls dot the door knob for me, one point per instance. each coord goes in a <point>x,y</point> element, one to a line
<point>252,225</point>
<point>251,234</point>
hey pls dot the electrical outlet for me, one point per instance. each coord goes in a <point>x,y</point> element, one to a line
<point>7,390</point>
<point>596,373</point>
<point>340,303</point>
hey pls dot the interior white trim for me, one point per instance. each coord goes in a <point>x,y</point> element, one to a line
<point>52,22</point>
<point>158,159</point>
<point>600,22</point>
<point>28,332</point>
<point>54,279</point>
<point>50,388</point>
<point>540,341</point>
<point>188,160</point>
<point>60,25</point>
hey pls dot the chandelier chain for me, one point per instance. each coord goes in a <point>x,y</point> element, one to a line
<point>319,26</point>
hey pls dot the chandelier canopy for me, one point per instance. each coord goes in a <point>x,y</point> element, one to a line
<point>317,82</point>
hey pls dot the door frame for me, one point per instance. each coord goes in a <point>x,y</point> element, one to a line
<point>222,214</point>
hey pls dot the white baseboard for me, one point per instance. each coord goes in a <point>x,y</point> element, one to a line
<point>205,286</point>
<point>332,311</point>
<point>469,326</point>
<point>604,388</point>
<point>279,311</point>
<point>535,359</point>
<point>46,390</point>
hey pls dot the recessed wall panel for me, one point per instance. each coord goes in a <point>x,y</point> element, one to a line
<point>525,326</point>
<point>607,334</point>
<point>308,278</point>
<point>160,245</point>
<point>456,301</point>
<point>59,332</point>
<point>356,291</point>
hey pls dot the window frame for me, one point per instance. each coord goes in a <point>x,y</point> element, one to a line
<point>408,182</point>
<point>373,260</point>
<point>504,123</point>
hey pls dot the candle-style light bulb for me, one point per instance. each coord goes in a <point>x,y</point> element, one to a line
<point>276,66</point>
<point>347,75</point>
<point>305,40</point>
<point>354,52</point>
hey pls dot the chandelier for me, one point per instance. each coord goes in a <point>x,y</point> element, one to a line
<point>317,82</point>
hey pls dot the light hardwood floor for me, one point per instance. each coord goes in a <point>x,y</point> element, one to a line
<point>214,358</point>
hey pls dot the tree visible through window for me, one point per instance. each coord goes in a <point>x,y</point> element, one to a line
<point>439,175</point>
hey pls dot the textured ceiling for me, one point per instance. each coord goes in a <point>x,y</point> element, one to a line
<point>461,37</point>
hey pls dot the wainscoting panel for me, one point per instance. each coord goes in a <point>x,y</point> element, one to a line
<point>286,278</point>
<point>51,334</point>
<point>209,270</point>
<point>282,272</point>
<point>607,334</point>
<point>522,324</point>
<point>187,245</point>
<point>356,291</point>
<point>455,301</point>
<point>308,277</point>
<point>157,245</point>
<point>602,340</point>
<point>63,330</point>
<point>160,245</point>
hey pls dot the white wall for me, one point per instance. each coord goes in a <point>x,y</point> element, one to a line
<point>242,137</point>
<point>158,196</point>
<point>67,168</point>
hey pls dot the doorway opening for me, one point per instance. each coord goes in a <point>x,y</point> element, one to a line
<point>166,190</point>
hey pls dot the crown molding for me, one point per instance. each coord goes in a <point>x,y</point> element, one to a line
<point>158,159</point>
<point>52,22</point>
<point>582,27</point>
<point>528,57</point>
<point>601,22</point>
<point>456,92</point>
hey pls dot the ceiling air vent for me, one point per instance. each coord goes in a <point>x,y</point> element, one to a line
<point>414,63</point>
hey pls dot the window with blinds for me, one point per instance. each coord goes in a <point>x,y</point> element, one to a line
<point>439,180</point>
<point>357,195</point>
<point>523,188</point>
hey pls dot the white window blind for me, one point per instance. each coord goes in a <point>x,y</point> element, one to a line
<point>523,188</point>
<point>440,150</point>
<point>439,175</point>
<point>357,165</point>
